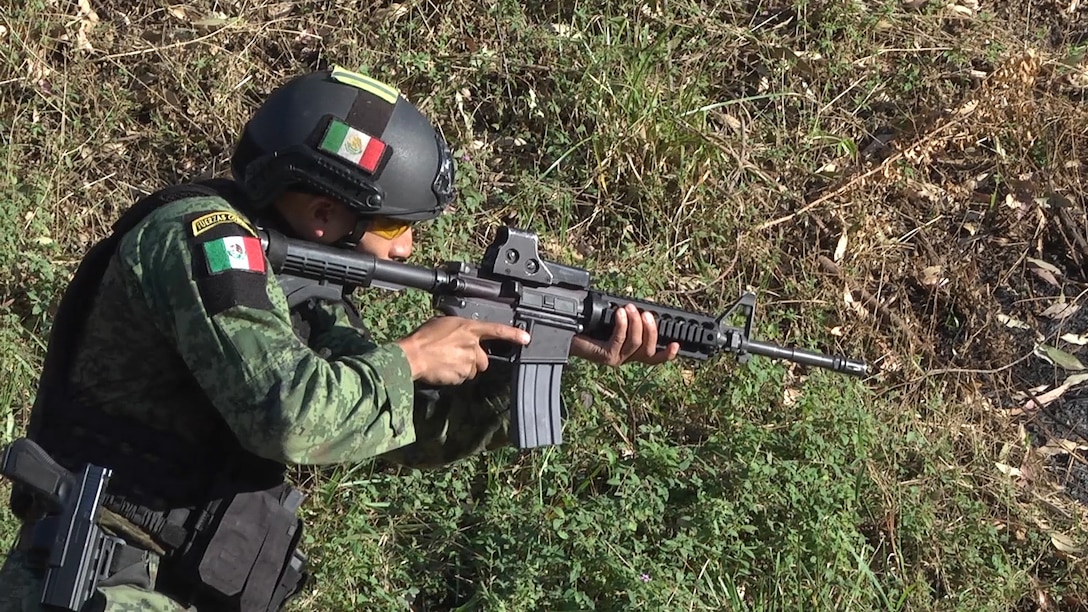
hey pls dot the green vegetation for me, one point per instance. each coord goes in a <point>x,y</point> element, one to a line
<point>683,151</point>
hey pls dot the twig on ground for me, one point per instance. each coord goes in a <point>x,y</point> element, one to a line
<point>971,370</point>
<point>886,316</point>
<point>1072,228</point>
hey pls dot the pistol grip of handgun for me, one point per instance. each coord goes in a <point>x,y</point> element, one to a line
<point>27,463</point>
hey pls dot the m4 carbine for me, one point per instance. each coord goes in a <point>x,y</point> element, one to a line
<point>552,301</point>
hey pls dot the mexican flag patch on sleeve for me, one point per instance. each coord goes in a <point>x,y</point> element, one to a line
<point>234,253</point>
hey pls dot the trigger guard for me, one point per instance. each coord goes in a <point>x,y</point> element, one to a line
<point>499,350</point>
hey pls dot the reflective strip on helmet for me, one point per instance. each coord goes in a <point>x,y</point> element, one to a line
<point>383,91</point>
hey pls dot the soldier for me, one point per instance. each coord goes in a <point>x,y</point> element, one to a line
<point>178,360</point>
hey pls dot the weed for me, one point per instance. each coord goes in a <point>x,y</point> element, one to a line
<point>683,152</point>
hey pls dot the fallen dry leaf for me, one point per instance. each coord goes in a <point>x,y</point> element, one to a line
<point>87,20</point>
<point>856,306</point>
<point>1066,544</point>
<point>86,12</point>
<point>1060,310</point>
<point>1058,357</point>
<point>1059,447</point>
<point>1047,272</point>
<point>1030,392</point>
<point>1075,380</point>
<point>184,13</point>
<point>1046,275</point>
<point>1040,400</point>
<point>932,276</point>
<point>391,13</point>
<point>280,9</point>
<point>1008,321</point>
<point>840,248</point>
<point>790,396</point>
<point>1011,201</point>
<point>967,8</point>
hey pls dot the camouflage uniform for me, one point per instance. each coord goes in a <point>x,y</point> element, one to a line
<point>174,346</point>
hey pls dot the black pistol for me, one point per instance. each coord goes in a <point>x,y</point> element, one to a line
<point>79,551</point>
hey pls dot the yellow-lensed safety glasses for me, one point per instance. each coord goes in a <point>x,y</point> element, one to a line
<point>387,228</point>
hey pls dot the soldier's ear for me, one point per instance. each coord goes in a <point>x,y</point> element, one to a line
<point>316,218</point>
<point>321,209</point>
<point>327,219</point>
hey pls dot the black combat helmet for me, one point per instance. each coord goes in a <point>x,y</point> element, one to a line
<point>348,136</point>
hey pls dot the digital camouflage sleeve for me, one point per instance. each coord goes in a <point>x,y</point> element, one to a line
<point>200,271</point>
<point>451,423</point>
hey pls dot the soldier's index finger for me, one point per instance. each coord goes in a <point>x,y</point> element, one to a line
<point>498,331</point>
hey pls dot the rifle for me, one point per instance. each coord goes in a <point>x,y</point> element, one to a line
<point>552,301</point>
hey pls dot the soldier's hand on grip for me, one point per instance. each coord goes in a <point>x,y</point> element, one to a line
<point>447,351</point>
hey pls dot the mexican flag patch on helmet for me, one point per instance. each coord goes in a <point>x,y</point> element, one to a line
<point>354,146</point>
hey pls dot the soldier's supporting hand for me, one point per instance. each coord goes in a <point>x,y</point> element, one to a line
<point>634,338</point>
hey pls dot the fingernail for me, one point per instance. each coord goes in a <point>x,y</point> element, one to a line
<point>525,338</point>
<point>649,318</point>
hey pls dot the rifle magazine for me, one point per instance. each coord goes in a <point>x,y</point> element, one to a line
<point>536,417</point>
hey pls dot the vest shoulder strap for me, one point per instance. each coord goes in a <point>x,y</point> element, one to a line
<point>72,311</point>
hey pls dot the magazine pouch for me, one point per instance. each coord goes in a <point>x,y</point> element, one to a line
<point>245,559</point>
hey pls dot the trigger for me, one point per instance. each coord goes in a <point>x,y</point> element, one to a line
<point>499,350</point>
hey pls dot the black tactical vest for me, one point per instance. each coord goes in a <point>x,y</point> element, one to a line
<point>159,482</point>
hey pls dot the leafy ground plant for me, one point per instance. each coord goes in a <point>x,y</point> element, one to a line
<point>897,180</point>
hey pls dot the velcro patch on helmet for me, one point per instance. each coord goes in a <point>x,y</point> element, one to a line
<point>354,146</point>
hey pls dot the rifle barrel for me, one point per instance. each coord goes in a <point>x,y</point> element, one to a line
<point>835,363</point>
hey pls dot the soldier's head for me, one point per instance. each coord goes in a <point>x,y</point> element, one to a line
<point>345,159</point>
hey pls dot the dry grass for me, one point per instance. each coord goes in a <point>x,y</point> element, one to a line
<point>888,176</point>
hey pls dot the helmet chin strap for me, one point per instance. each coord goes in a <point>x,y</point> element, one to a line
<point>352,240</point>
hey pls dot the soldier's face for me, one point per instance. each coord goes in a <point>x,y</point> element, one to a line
<point>398,247</point>
<point>328,221</point>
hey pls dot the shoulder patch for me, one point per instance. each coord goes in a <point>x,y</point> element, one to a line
<point>234,253</point>
<point>228,261</point>
<point>206,222</point>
